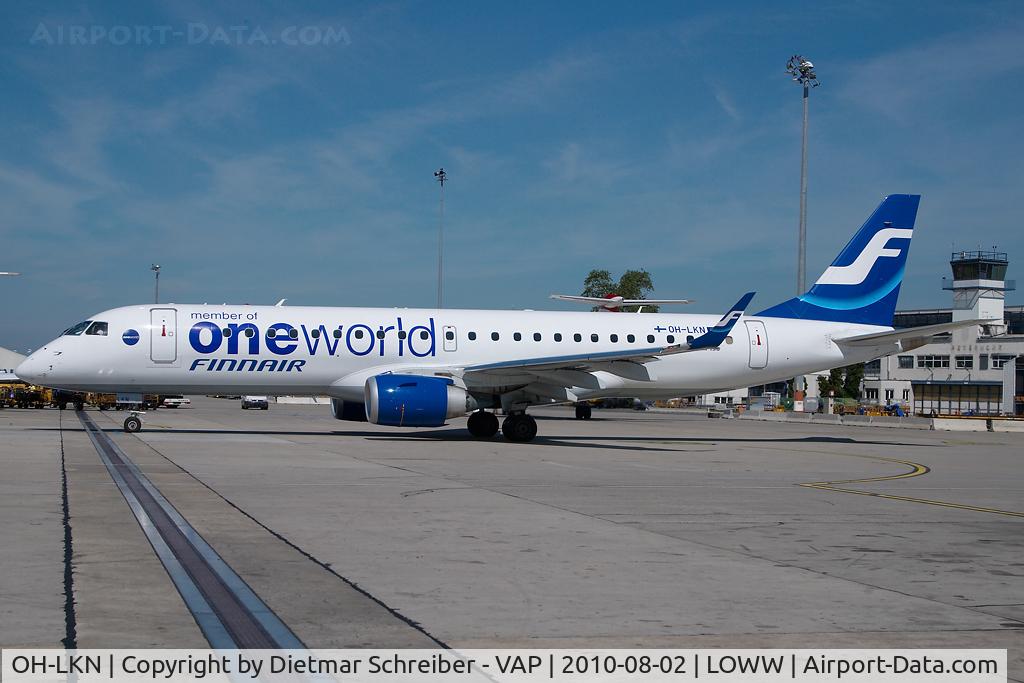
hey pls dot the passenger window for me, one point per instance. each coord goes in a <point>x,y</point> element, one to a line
<point>671,339</point>
<point>271,333</point>
<point>536,336</point>
<point>650,339</point>
<point>250,333</point>
<point>472,336</point>
<point>689,339</point>
<point>380,334</point>
<point>631,338</point>
<point>77,329</point>
<point>402,334</point>
<point>449,335</point>
<point>614,338</point>
<point>577,337</point>
<point>558,336</point>
<point>315,334</point>
<point>593,337</point>
<point>358,334</point>
<point>424,335</point>
<point>494,336</point>
<point>517,336</point>
<point>293,333</point>
<point>227,332</point>
<point>337,333</point>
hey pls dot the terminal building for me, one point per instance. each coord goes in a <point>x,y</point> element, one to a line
<point>977,370</point>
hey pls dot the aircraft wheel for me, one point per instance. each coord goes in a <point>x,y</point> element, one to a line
<point>132,424</point>
<point>583,411</point>
<point>519,427</point>
<point>482,424</point>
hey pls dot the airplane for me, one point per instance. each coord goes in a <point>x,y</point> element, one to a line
<point>421,367</point>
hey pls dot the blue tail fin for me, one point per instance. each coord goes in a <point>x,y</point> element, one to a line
<point>863,283</point>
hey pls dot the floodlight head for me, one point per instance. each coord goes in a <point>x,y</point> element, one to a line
<point>155,268</point>
<point>802,71</point>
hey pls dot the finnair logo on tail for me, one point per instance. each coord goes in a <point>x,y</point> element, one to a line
<point>858,271</point>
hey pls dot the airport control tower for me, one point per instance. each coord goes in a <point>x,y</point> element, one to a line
<point>979,287</point>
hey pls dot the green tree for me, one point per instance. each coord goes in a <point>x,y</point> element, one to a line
<point>634,284</point>
<point>845,382</point>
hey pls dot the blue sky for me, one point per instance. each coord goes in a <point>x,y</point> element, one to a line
<point>254,161</point>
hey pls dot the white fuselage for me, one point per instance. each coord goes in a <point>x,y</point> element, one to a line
<point>184,349</point>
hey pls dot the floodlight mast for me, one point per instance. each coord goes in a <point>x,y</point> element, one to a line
<point>801,70</point>
<point>156,287</point>
<point>441,176</point>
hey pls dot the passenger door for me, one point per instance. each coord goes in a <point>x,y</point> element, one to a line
<point>451,338</point>
<point>163,340</point>
<point>758,344</point>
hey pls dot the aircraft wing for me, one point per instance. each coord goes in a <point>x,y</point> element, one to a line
<point>576,369</point>
<point>907,338</point>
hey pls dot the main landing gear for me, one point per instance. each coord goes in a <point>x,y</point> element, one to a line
<point>583,411</point>
<point>482,424</point>
<point>519,427</point>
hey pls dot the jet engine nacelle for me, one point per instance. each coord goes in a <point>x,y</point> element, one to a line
<point>414,400</point>
<point>353,411</point>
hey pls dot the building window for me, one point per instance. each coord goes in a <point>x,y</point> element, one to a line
<point>871,394</point>
<point>906,362</point>
<point>933,361</point>
<point>1000,359</point>
<point>873,367</point>
<point>889,395</point>
<point>906,394</point>
<point>964,362</point>
<point>983,361</point>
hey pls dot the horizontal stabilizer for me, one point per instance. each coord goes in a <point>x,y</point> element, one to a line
<point>613,303</point>
<point>909,334</point>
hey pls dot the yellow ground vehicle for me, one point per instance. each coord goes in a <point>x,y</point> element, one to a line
<point>101,401</point>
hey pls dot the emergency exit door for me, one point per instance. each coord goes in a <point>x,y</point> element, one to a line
<point>758,344</point>
<point>163,339</point>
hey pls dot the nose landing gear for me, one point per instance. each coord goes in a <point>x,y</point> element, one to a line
<point>133,423</point>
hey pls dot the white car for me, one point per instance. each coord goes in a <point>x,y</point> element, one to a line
<point>255,402</point>
<point>175,402</point>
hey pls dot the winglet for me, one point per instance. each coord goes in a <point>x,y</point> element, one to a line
<point>714,337</point>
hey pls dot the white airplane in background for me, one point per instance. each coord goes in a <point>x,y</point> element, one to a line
<point>421,367</point>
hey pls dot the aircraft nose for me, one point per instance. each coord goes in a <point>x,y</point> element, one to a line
<point>34,368</point>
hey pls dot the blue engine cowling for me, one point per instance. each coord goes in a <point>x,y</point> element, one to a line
<point>414,400</point>
<point>353,411</point>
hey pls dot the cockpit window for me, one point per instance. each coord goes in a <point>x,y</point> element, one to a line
<point>77,329</point>
<point>97,329</point>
